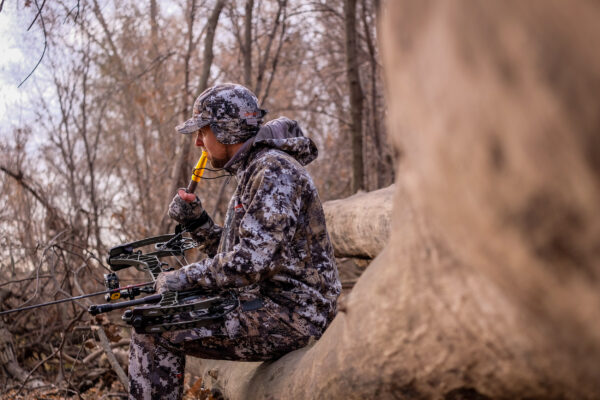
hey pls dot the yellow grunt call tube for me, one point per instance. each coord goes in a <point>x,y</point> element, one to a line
<point>197,174</point>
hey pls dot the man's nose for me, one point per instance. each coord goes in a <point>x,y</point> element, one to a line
<point>199,141</point>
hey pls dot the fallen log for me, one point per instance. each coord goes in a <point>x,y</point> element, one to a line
<point>359,226</point>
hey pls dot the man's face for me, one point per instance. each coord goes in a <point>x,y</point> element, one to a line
<point>216,151</point>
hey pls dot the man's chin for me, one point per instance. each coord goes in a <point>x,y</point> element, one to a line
<point>218,163</point>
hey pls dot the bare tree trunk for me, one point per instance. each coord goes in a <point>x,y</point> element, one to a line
<point>380,168</point>
<point>182,163</point>
<point>207,59</point>
<point>154,27</point>
<point>181,169</point>
<point>356,95</point>
<point>262,65</point>
<point>91,149</point>
<point>247,45</point>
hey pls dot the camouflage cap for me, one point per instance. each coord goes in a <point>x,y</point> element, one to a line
<point>230,109</point>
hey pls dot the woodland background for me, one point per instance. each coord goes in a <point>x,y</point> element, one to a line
<point>97,161</point>
<point>484,281</point>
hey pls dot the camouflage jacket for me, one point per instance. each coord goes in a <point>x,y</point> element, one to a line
<point>274,243</point>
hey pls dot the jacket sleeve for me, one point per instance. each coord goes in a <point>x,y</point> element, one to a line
<point>208,236</point>
<point>268,222</point>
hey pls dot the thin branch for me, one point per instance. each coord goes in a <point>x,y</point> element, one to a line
<point>39,14</point>
<point>96,353</point>
<point>20,178</point>
<point>45,40</point>
<point>105,344</point>
<point>71,10</point>
<point>75,362</point>
<point>276,56</point>
<point>263,61</point>
<point>24,279</point>
<point>34,369</point>
<point>60,347</point>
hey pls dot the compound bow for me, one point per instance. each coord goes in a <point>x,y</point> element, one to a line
<point>163,311</point>
<point>169,310</point>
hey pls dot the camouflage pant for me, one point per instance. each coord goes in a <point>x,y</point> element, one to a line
<point>157,362</point>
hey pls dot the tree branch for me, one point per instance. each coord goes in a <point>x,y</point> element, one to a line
<point>45,40</point>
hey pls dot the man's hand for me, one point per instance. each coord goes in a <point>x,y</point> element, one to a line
<point>185,208</point>
<point>173,281</point>
<point>188,197</point>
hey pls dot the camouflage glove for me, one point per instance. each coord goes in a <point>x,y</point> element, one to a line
<point>171,281</point>
<point>187,214</point>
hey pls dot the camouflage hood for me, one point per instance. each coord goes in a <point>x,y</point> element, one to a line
<point>282,134</point>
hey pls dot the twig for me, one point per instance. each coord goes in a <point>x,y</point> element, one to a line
<point>34,369</point>
<point>45,40</point>
<point>25,279</point>
<point>37,274</point>
<point>62,342</point>
<point>112,359</point>
<point>71,10</point>
<point>39,13</point>
<point>75,363</point>
<point>104,342</point>
<point>92,356</point>
<point>22,180</point>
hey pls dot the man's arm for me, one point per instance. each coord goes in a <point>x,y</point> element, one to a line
<point>187,209</point>
<point>266,228</point>
<point>208,237</point>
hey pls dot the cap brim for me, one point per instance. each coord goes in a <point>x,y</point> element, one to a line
<point>191,125</point>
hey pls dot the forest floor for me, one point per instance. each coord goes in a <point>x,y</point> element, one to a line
<point>107,387</point>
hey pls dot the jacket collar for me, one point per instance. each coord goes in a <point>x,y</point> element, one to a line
<point>239,158</point>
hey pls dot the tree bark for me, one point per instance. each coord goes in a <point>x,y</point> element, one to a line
<point>434,325</point>
<point>489,285</point>
<point>381,169</point>
<point>359,226</point>
<point>247,46</point>
<point>208,55</point>
<point>356,95</point>
<point>182,168</point>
